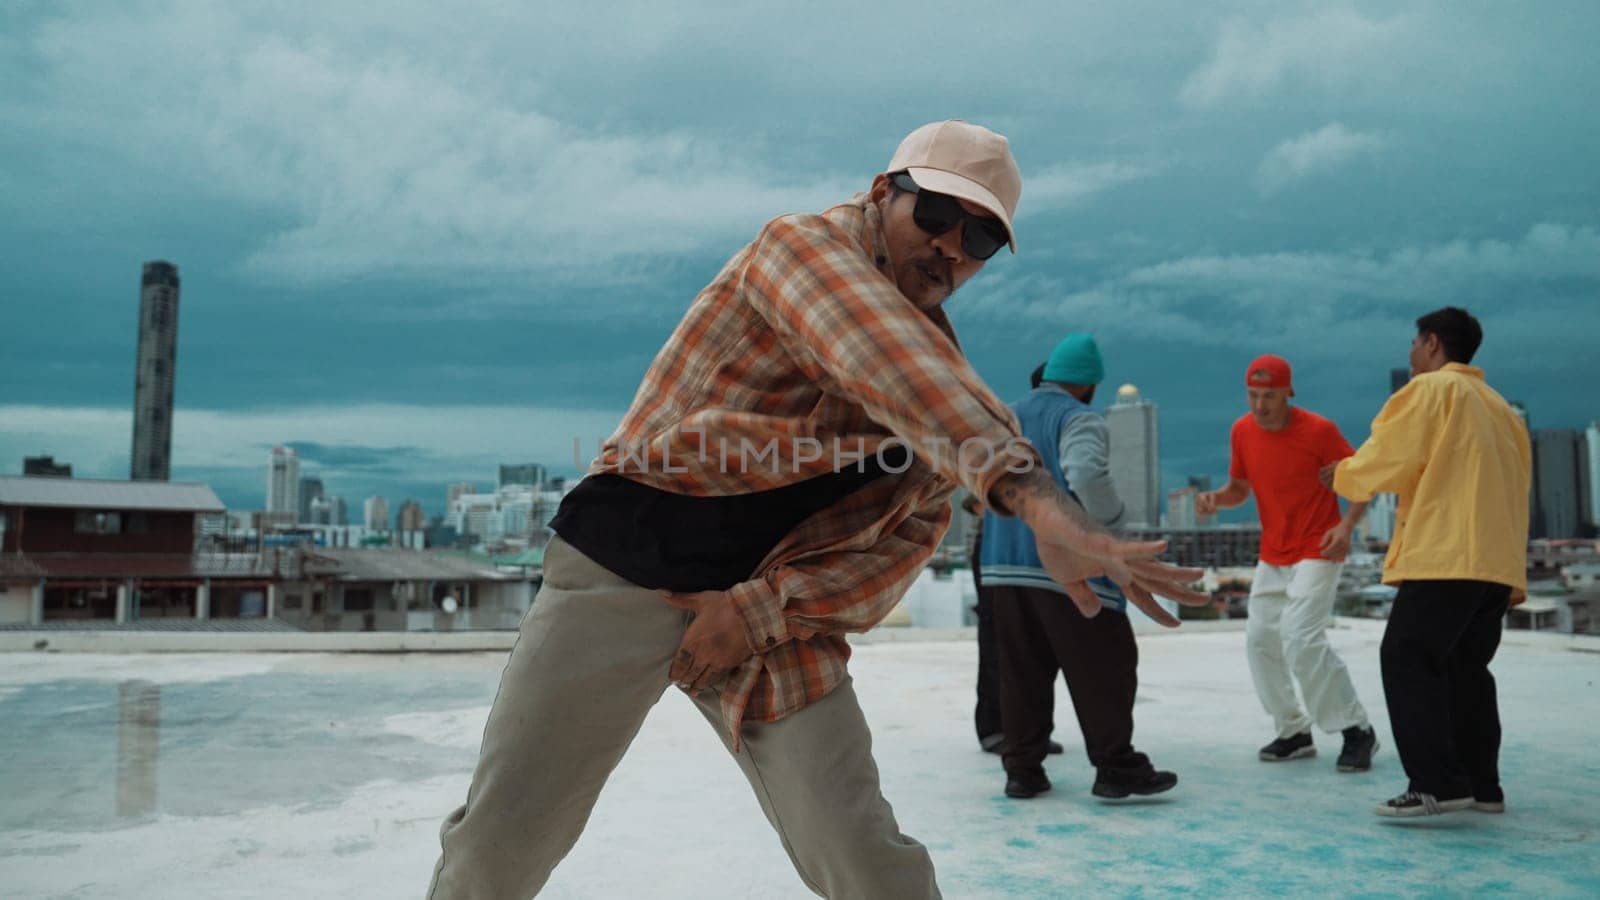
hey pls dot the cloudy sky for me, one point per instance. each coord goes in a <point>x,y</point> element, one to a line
<point>420,242</point>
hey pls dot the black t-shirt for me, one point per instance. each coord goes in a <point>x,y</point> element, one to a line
<point>658,539</point>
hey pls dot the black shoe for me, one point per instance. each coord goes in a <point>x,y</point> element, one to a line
<point>1026,783</point>
<point>1116,786</point>
<point>1359,745</point>
<point>1489,800</point>
<point>996,743</point>
<point>1412,804</point>
<point>1297,747</point>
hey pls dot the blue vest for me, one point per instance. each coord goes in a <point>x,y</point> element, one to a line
<point>1010,555</point>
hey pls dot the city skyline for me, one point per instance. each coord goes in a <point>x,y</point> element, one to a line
<point>454,247</point>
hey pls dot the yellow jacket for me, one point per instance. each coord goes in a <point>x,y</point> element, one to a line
<point>1459,458</point>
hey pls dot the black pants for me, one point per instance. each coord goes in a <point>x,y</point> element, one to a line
<point>1442,708</point>
<point>986,715</point>
<point>1040,632</point>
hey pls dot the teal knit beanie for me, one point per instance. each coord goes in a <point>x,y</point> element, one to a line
<point>1076,360</point>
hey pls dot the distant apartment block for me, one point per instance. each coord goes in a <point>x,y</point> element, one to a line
<point>410,517</point>
<point>310,492</point>
<point>45,466</point>
<point>375,514</point>
<point>1181,507</point>
<point>527,475</point>
<point>1220,546</point>
<point>155,373</point>
<point>1556,480</point>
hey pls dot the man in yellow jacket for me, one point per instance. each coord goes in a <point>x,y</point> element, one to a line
<point>1459,458</point>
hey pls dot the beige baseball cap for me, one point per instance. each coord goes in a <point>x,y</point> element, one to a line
<point>967,161</point>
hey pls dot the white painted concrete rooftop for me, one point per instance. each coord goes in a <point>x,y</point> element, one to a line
<point>316,775</point>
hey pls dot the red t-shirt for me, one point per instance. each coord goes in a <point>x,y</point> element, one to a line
<point>1281,466</point>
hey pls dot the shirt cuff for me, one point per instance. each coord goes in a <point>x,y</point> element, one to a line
<point>761,608</point>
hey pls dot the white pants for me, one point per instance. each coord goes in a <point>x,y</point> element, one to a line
<point>1290,607</point>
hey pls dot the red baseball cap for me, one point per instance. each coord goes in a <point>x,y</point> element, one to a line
<point>1268,371</point>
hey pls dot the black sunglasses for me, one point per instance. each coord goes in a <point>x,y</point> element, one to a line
<point>938,213</point>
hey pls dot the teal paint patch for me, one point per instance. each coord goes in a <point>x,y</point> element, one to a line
<point>1021,844</point>
<point>1064,829</point>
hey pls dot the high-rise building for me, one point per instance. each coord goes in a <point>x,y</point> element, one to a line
<point>410,517</point>
<point>45,466</point>
<point>1591,444</point>
<point>456,490</point>
<point>528,475</point>
<point>1134,424</point>
<point>338,510</point>
<point>1378,523</point>
<point>1555,478</point>
<point>1180,507</point>
<point>310,492</point>
<point>155,373</point>
<point>375,514</point>
<point>283,482</point>
<point>1398,378</point>
<point>318,512</point>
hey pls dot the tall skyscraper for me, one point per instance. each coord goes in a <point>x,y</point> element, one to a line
<point>1556,480</point>
<point>283,482</point>
<point>338,510</point>
<point>1134,424</point>
<point>1591,441</point>
<point>531,475</point>
<point>310,492</point>
<point>376,514</point>
<point>155,372</point>
<point>409,517</point>
<point>1398,378</point>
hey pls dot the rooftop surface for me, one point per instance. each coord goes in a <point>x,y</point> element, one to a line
<point>326,775</point>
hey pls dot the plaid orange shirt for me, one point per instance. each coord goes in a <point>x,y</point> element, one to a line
<point>800,350</point>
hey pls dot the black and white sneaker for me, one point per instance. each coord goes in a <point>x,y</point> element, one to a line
<point>1412,803</point>
<point>1489,800</point>
<point>1296,747</point>
<point>1359,745</point>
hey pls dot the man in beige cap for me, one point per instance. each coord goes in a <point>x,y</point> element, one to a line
<point>780,479</point>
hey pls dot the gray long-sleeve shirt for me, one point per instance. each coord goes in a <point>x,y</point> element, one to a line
<point>1085,442</point>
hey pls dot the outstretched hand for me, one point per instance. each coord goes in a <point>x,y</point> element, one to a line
<point>1074,549</point>
<point>714,643</point>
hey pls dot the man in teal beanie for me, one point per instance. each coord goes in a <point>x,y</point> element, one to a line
<point>1039,629</point>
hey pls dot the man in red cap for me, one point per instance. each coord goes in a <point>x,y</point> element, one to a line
<point>1277,451</point>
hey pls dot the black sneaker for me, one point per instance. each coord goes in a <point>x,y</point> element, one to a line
<point>1359,745</point>
<point>1026,783</point>
<point>1489,800</point>
<point>1296,747</point>
<point>1116,786</point>
<point>1412,803</point>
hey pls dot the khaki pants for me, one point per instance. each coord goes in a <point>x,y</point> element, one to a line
<point>1287,632</point>
<point>591,660</point>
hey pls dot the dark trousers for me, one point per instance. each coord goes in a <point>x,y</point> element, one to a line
<point>986,715</point>
<point>1040,632</point>
<point>1442,708</point>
